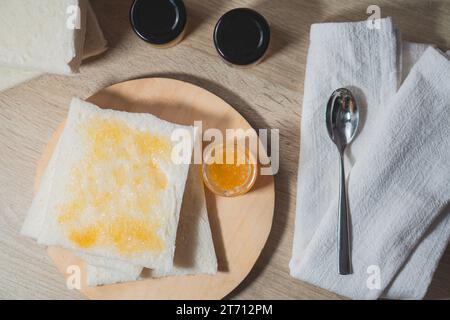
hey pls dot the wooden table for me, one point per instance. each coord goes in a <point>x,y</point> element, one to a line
<point>268,95</point>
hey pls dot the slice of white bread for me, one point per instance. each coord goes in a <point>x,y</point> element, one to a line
<point>116,192</point>
<point>37,35</point>
<point>36,215</point>
<point>110,264</point>
<point>95,44</point>
<point>194,252</point>
<point>97,276</point>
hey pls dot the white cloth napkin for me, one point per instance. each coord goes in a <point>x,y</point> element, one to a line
<point>398,180</point>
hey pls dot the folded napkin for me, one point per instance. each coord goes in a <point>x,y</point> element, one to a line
<point>397,182</point>
<point>23,59</point>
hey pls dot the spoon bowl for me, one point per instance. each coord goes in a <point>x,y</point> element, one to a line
<point>342,117</point>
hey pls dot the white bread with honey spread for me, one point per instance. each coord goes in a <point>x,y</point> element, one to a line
<point>99,270</point>
<point>116,193</point>
<point>195,250</point>
<point>38,35</point>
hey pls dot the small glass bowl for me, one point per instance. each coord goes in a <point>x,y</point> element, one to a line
<point>211,181</point>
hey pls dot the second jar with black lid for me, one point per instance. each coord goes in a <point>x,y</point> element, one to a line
<point>242,37</point>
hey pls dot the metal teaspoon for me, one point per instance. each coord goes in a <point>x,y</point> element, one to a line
<point>342,120</point>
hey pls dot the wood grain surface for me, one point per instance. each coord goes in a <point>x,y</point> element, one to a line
<point>268,95</point>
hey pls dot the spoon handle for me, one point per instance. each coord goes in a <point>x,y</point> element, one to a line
<point>345,265</point>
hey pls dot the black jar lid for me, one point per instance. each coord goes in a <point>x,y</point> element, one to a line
<point>158,21</point>
<point>242,36</point>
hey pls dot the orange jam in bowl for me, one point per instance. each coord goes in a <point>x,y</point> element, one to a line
<point>229,170</point>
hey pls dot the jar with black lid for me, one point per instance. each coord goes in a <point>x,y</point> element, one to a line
<point>161,23</point>
<point>242,37</point>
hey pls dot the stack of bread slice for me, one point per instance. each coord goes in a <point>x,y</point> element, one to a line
<point>46,36</point>
<point>114,194</point>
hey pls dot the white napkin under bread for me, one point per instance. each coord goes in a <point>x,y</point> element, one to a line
<point>397,175</point>
<point>24,67</point>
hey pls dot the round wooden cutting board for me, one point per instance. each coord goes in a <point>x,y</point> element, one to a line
<point>240,226</point>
